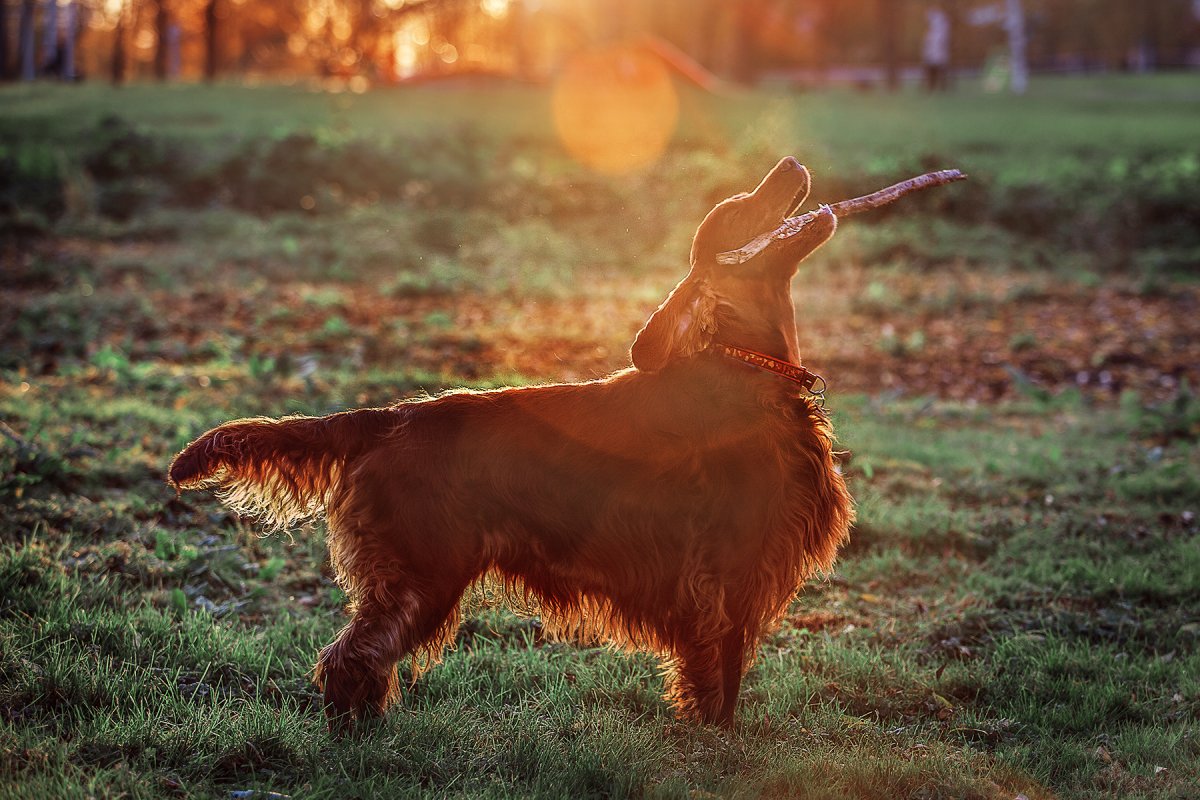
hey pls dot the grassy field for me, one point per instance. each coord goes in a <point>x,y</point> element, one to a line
<point>1011,362</point>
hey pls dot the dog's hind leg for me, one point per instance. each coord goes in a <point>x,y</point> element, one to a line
<point>357,672</point>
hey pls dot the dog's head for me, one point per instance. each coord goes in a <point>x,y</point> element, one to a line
<point>747,305</point>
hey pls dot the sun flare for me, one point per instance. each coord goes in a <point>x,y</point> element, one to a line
<point>615,108</point>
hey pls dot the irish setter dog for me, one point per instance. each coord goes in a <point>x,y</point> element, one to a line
<point>674,506</point>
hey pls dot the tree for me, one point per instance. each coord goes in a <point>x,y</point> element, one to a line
<point>210,40</point>
<point>518,15</point>
<point>888,21</point>
<point>746,25</point>
<point>25,44</point>
<point>1015,24</point>
<point>162,26</point>
<point>117,65</point>
<point>50,37</point>
<point>70,39</point>
<point>1149,44</point>
<point>4,74</point>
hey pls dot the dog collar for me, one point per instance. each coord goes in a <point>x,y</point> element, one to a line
<point>811,382</point>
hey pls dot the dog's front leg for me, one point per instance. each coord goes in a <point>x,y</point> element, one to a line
<point>694,685</point>
<point>733,666</point>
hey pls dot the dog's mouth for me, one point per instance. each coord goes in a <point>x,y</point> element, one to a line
<point>799,224</point>
<point>782,191</point>
<point>804,232</point>
<point>780,195</point>
<point>793,207</point>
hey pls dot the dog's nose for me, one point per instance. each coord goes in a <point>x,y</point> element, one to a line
<point>790,163</point>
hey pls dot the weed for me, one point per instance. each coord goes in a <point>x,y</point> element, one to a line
<point>1024,340</point>
<point>1167,421</point>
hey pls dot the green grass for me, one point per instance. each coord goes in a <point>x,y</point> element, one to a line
<point>1109,114</point>
<point>982,640</point>
<point>1107,165</point>
<point>1016,612</point>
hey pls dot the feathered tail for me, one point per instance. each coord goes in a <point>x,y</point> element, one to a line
<point>279,470</point>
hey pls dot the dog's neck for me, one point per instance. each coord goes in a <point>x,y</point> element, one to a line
<point>768,340</point>
<point>772,329</point>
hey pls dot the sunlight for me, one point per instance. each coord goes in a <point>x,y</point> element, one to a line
<point>494,8</point>
<point>615,109</point>
<point>419,30</point>
<point>406,54</point>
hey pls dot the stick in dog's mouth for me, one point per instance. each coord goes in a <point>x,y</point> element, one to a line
<point>794,225</point>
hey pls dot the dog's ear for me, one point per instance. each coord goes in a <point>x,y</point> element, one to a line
<point>682,326</point>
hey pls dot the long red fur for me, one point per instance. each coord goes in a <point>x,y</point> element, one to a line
<point>674,507</point>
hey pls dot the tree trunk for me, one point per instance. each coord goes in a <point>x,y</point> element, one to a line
<point>955,13</point>
<point>708,34</point>
<point>117,66</point>
<point>821,46</point>
<point>747,19</point>
<point>70,37</point>
<point>25,45</point>
<point>4,74</point>
<point>364,40</point>
<point>174,51</point>
<point>50,37</point>
<point>162,26</point>
<point>888,20</point>
<point>520,28</point>
<point>210,41</point>
<point>1149,35</point>
<point>1015,23</point>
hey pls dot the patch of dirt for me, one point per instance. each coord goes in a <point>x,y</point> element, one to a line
<point>1099,341</point>
<point>952,334</point>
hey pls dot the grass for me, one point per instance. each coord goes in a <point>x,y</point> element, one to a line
<point>1016,612</point>
<point>1115,114</point>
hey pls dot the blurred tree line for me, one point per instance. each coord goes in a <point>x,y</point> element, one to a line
<point>744,40</point>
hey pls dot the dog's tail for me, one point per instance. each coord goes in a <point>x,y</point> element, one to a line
<point>279,470</point>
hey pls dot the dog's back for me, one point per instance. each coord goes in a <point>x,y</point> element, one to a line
<point>697,458</point>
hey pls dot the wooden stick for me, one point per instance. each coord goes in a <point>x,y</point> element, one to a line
<point>793,225</point>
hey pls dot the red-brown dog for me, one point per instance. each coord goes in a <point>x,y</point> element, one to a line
<point>674,506</point>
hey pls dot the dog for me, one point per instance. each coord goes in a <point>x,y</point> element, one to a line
<point>674,506</point>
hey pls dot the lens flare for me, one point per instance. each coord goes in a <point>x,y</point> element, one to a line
<point>615,108</point>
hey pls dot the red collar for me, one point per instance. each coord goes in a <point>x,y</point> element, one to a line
<point>811,382</point>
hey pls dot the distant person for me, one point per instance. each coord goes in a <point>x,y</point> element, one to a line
<point>935,51</point>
